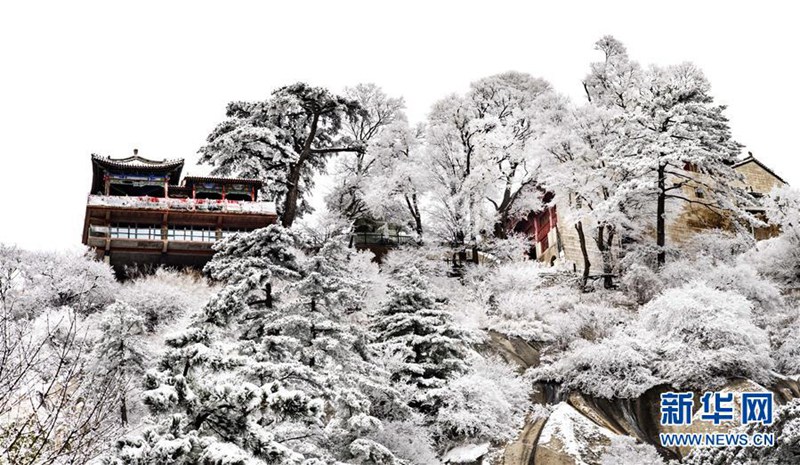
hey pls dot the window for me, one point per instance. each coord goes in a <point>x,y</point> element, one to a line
<point>136,231</point>
<point>192,233</point>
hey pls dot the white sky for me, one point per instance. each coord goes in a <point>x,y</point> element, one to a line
<point>83,77</point>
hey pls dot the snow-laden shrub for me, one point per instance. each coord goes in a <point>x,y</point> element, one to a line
<point>624,450</point>
<point>511,249</point>
<point>409,440</point>
<point>428,259</point>
<point>615,367</point>
<point>787,354</point>
<point>488,403</point>
<point>739,277</point>
<point>74,279</point>
<point>527,300</point>
<point>717,245</point>
<point>163,296</point>
<point>641,283</point>
<point>702,336</point>
<point>533,314</point>
<point>645,253</point>
<point>590,321</point>
<point>518,296</point>
<point>777,258</point>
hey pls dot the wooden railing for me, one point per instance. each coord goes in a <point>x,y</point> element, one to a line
<point>161,203</point>
<point>380,239</point>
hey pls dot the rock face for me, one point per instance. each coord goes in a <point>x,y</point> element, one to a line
<point>580,428</point>
<point>570,438</point>
<point>523,449</point>
<point>514,350</point>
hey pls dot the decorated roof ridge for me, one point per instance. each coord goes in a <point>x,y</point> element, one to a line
<point>190,179</point>
<point>750,158</point>
<point>136,161</point>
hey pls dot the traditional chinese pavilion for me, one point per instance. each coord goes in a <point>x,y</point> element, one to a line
<point>140,212</point>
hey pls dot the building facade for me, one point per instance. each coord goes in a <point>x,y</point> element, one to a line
<point>553,238</point>
<point>140,212</point>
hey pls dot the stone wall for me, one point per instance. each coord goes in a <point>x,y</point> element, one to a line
<point>684,220</point>
<point>758,179</point>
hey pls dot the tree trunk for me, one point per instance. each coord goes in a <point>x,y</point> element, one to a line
<point>660,213</point>
<point>292,194</point>
<point>268,291</point>
<point>413,208</point>
<point>586,264</point>
<point>123,410</point>
<point>290,202</point>
<point>604,245</point>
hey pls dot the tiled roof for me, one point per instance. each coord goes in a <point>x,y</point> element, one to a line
<point>136,162</point>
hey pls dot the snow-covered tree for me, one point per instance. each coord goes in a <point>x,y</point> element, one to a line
<point>398,181</point>
<point>55,408</point>
<point>272,370</point>
<point>120,350</point>
<point>416,335</point>
<point>283,140</point>
<point>354,170</point>
<point>580,143</point>
<point>510,112</point>
<point>249,263</point>
<point>483,154</point>
<point>450,153</point>
<point>75,279</point>
<point>671,124</point>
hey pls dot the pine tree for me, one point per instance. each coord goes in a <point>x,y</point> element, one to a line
<point>260,379</point>
<point>283,140</point>
<point>120,349</point>
<point>418,337</point>
<point>673,137</point>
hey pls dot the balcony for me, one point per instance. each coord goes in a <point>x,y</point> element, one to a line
<point>184,205</point>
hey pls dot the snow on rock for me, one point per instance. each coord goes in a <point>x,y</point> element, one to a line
<point>468,453</point>
<point>569,438</point>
